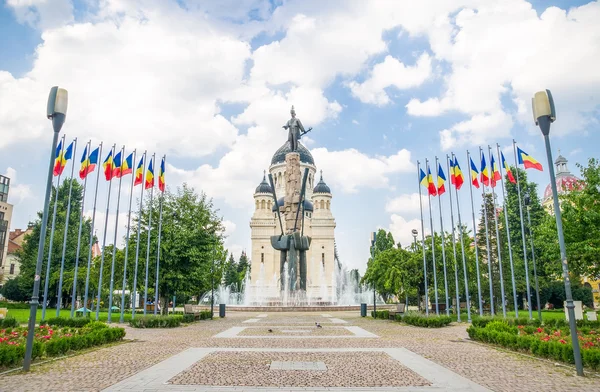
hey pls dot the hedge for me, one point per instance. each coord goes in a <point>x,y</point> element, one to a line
<point>156,321</point>
<point>9,322</point>
<point>14,305</point>
<point>66,322</point>
<point>421,320</point>
<point>381,314</point>
<point>481,322</point>
<point>505,336</point>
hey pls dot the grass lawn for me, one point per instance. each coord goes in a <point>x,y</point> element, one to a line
<point>546,314</point>
<point>22,315</point>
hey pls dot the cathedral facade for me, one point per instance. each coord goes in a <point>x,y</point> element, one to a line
<point>319,224</point>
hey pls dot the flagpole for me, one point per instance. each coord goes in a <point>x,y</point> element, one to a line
<point>454,241</point>
<point>114,253</point>
<point>437,306</point>
<point>523,237</point>
<point>510,255</point>
<point>64,248</point>
<point>475,237</point>
<point>423,239</point>
<point>47,277</point>
<point>159,235</point>
<point>104,238</point>
<point>149,235</point>
<point>487,240</point>
<point>121,317</point>
<point>464,260</point>
<point>498,245</point>
<point>89,260</point>
<point>442,232</point>
<point>74,293</point>
<point>137,245</point>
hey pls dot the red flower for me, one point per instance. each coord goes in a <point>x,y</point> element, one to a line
<point>540,329</point>
<point>562,341</point>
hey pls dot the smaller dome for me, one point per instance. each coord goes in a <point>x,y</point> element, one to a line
<point>321,186</point>
<point>308,206</point>
<point>264,186</point>
<point>564,184</point>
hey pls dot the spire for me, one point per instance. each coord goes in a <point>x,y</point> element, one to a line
<point>321,186</point>
<point>561,165</point>
<point>264,186</point>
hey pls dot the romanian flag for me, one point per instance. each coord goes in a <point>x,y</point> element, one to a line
<point>441,181</point>
<point>124,167</point>
<point>117,165</point>
<point>528,161</point>
<point>485,176</point>
<point>109,166</point>
<point>474,174</point>
<point>62,156</point>
<point>509,174</point>
<point>161,176</point>
<point>496,176</point>
<point>149,183</point>
<point>139,172</point>
<point>459,179</point>
<point>88,162</point>
<point>427,182</point>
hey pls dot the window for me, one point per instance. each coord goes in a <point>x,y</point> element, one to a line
<point>323,258</point>
<point>263,204</point>
<point>12,269</point>
<point>262,257</point>
<point>328,204</point>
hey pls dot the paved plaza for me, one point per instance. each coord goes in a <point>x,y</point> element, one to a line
<point>347,353</point>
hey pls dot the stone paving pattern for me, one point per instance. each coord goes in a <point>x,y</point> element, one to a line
<point>367,369</point>
<point>296,331</point>
<point>487,366</point>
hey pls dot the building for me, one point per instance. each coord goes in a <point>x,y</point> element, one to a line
<point>5,217</point>
<point>12,267</point>
<point>565,182</point>
<point>319,224</point>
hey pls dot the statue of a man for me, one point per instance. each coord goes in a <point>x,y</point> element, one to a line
<point>295,130</point>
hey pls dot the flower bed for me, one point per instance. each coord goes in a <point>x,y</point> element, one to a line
<point>52,342</point>
<point>545,341</point>
<point>156,321</point>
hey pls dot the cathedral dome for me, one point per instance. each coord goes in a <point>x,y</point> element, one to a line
<point>565,181</point>
<point>279,156</point>
<point>308,206</point>
<point>264,186</point>
<point>321,186</point>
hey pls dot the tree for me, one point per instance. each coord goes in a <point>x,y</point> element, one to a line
<point>14,290</point>
<point>231,276</point>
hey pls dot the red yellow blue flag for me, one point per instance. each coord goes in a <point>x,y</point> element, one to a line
<point>427,182</point>
<point>474,174</point>
<point>123,167</point>
<point>139,172</point>
<point>149,183</point>
<point>509,174</point>
<point>117,162</point>
<point>88,162</point>
<point>459,179</point>
<point>108,166</point>
<point>528,161</point>
<point>441,181</point>
<point>62,156</point>
<point>161,176</point>
<point>485,176</point>
<point>496,176</point>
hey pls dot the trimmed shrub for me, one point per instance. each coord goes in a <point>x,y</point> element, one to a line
<point>189,318</point>
<point>205,315</point>
<point>66,322</point>
<point>14,305</point>
<point>421,320</point>
<point>156,321</point>
<point>9,322</point>
<point>381,314</point>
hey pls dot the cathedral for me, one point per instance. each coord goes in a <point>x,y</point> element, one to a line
<point>319,224</point>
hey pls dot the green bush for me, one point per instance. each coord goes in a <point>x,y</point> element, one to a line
<point>421,320</point>
<point>9,322</point>
<point>156,321</point>
<point>189,318</point>
<point>381,314</point>
<point>205,315</point>
<point>66,322</point>
<point>14,305</point>
<point>11,354</point>
<point>502,326</point>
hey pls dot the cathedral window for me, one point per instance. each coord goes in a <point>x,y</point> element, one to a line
<point>328,204</point>
<point>263,204</point>
<point>323,259</point>
<point>322,204</point>
<point>257,204</point>
<point>262,257</point>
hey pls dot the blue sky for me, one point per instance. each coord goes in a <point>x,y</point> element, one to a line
<point>384,84</point>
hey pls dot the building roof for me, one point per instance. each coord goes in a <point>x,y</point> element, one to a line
<point>13,247</point>
<point>321,186</point>
<point>308,206</point>
<point>264,186</point>
<point>279,156</point>
<point>565,181</point>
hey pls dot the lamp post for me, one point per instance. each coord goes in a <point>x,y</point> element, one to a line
<point>57,112</point>
<point>414,233</point>
<point>373,239</point>
<point>527,202</point>
<point>544,114</point>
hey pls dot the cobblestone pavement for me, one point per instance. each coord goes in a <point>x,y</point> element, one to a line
<point>486,366</point>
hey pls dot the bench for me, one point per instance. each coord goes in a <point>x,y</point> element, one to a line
<point>400,309</point>
<point>193,309</point>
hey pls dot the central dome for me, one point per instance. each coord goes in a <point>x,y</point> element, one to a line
<point>279,156</point>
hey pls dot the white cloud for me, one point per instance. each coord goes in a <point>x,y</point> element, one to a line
<point>42,14</point>
<point>17,192</point>
<point>401,229</point>
<point>388,73</point>
<point>349,170</point>
<point>407,204</point>
<point>355,122</point>
<point>478,130</point>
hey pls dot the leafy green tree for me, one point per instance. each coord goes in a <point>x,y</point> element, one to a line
<point>14,290</point>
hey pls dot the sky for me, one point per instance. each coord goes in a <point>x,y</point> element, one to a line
<point>383,83</point>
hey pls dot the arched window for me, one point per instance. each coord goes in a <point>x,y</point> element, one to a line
<point>328,204</point>
<point>257,204</point>
<point>262,257</point>
<point>322,204</point>
<point>323,259</point>
<point>270,204</point>
<point>263,204</point>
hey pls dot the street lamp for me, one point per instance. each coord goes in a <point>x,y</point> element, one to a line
<point>527,201</point>
<point>414,234</point>
<point>544,114</point>
<point>373,239</point>
<point>57,112</point>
